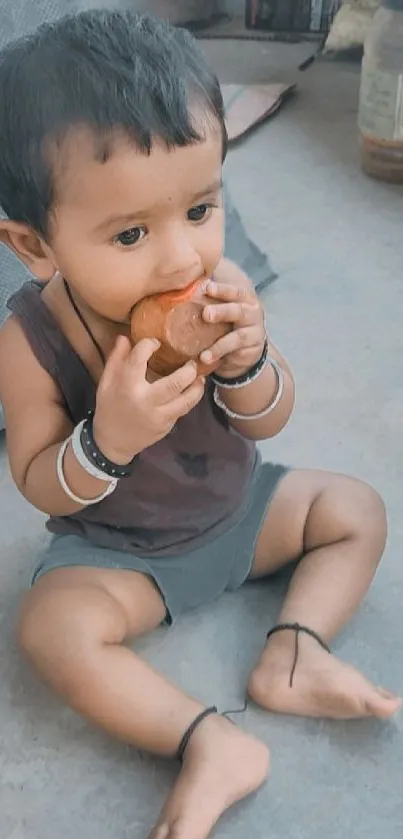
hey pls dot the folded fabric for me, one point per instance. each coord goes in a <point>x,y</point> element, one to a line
<point>247,106</point>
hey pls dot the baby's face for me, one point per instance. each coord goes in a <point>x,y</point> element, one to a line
<point>136,224</point>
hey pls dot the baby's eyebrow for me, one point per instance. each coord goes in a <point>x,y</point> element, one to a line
<point>216,186</point>
<point>125,219</point>
<point>128,218</point>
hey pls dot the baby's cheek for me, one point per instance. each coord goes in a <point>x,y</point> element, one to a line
<point>120,283</point>
<point>214,245</point>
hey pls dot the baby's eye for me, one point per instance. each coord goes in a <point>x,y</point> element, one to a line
<point>130,236</point>
<point>200,213</point>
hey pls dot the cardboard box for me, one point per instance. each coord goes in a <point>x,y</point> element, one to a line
<point>313,16</point>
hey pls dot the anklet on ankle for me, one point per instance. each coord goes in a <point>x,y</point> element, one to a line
<point>297,628</point>
<point>192,728</point>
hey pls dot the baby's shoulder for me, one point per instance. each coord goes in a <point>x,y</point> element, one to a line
<point>21,375</point>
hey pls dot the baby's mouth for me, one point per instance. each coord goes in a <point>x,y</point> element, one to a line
<point>176,293</point>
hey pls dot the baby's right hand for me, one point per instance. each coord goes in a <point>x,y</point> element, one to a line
<point>131,413</point>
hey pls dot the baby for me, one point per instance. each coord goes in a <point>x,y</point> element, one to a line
<point>112,139</point>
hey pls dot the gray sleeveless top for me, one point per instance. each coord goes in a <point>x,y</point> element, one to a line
<point>184,490</point>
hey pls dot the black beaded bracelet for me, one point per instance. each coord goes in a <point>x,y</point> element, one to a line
<point>98,459</point>
<point>246,378</point>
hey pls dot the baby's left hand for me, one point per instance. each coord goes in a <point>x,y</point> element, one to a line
<point>241,348</point>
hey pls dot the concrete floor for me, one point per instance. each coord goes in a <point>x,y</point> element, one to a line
<point>335,238</point>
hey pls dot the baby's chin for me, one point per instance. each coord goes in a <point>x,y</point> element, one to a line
<point>119,323</point>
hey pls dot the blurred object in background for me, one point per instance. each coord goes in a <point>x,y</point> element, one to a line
<point>302,16</point>
<point>350,27</point>
<point>380,117</point>
<point>249,105</point>
<point>178,11</point>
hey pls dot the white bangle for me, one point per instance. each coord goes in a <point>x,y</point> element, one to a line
<point>266,411</point>
<point>82,458</point>
<point>83,502</point>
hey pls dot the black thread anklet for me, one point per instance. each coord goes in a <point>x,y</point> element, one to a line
<point>192,728</point>
<point>297,628</point>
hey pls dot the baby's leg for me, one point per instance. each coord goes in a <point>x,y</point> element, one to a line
<point>72,628</point>
<point>336,526</point>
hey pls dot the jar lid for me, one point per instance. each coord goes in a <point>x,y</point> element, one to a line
<point>393,5</point>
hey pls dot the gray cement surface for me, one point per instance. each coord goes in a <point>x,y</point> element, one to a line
<point>336,239</point>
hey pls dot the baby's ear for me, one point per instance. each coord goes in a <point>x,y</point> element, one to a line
<point>29,247</point>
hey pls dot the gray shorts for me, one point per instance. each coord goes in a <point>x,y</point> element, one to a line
<point>188,580</point>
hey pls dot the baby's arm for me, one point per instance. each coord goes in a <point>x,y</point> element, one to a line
<point>131,414</point>
<point>37,424</point>
<point>258,395</point>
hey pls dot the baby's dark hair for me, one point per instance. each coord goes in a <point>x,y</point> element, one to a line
<point>106,70</point>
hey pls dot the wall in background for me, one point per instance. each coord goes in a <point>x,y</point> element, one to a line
<point>178,11</point>
<point>182,10</point>
<point>231,7</point>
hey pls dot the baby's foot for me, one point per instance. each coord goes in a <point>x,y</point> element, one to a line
<point>222,765</point>
<point>323,686</point>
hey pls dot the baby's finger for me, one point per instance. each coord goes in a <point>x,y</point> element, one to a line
<point>117,357</point>
<point>228,292</point>
<point>243,313</point>
<point>161,832</point>
<point>187,400</point>
<point>170,387</point>
<point>142,352</point>
<point>249,337</point>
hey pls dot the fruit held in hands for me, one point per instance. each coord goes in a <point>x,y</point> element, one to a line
<point>175,318</point>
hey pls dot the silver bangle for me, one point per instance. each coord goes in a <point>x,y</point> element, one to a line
<point>83,502</point>
<point>266,411</point>
<point>82,458</point>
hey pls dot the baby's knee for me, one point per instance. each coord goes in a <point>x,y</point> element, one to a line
<point>362,512</point>
<point>59,627</point>
<point>347,509</point>
<point>47,626</point>
<point>368,509</point>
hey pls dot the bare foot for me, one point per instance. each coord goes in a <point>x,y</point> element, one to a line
<point>323,685</point>
<point>222,765</point>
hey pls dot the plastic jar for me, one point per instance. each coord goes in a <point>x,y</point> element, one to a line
<point>380,117</point>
